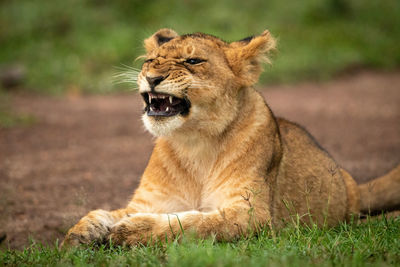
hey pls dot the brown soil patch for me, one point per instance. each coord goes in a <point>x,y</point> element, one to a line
<point>89,152</point>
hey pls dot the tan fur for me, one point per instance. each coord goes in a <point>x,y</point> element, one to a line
<point>382,193</point>
<point>229,166</point>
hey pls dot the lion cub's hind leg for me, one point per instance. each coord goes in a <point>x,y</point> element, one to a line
<point>353,195</point>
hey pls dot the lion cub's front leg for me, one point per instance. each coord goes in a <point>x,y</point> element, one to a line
<point>136,228</point>
<point>93,228</point>
<point>225,224</point>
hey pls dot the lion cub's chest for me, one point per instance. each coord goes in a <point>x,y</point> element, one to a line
<point>189,201</point>
<point>194,183</point>
<point>194,192</point>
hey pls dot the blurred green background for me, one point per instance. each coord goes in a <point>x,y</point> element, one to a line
<point>58,46</point>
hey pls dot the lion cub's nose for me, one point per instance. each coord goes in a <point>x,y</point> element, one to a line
<point>154,81</point>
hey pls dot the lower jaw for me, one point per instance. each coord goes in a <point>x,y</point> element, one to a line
<point>161,114</point>
<point>164,114</point>
<point>160,118</point>
<point>162,126</point>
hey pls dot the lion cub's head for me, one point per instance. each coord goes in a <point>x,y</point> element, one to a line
<point>192,82</point>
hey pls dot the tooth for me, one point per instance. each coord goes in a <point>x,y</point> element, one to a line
<point>151,109</point>
<point>167,109</point>
<point>150,98</point>
<point>170,99</point>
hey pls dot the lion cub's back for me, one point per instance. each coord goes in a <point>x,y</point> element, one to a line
<point>309,180</point>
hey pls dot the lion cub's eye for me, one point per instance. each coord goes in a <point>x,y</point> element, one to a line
<point>148,60</point>
<point>194,61</point>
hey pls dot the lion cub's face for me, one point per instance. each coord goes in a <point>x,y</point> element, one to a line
<point>191,82</point>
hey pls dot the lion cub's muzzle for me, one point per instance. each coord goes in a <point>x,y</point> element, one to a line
<point>165,105</point>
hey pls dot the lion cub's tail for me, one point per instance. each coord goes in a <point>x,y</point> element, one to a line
<point>381,194</point>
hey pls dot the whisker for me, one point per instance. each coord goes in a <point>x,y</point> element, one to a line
<point>126,67</point>
<point>126,75</point>
<point>124,78</point>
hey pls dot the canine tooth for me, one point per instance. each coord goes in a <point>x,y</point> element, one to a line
<point>151,109</point>
<point>167,109</point>
<point>150,98</point>
<point>170,99</point>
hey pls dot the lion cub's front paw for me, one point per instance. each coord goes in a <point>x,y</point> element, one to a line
<point>129,231</point>
<point>93,228</point>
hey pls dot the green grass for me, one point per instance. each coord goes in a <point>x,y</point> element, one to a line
<point>74,45</point>
<point>373,243</point>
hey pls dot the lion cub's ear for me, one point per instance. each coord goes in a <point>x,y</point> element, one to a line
<point>246,56</point>
<point>158,38</point>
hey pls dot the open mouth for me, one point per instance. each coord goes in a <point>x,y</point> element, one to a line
<point>164,105</point>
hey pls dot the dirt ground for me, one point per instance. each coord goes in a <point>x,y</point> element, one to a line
<point>89,152</point>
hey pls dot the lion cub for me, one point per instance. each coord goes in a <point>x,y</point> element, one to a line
<point>223,165</point>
